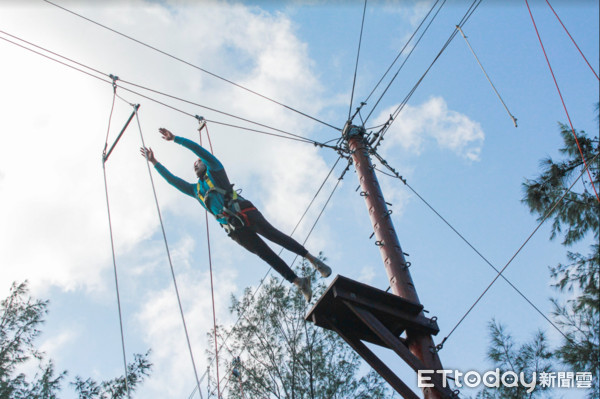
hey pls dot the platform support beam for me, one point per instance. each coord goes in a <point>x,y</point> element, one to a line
<point>383,370</point>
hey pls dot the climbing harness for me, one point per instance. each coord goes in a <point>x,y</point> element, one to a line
<point>231,211</point>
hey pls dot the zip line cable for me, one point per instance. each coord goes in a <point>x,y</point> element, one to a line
<point>300,138</point>
<point>112,245</point>
<point>401,51</point>
<point>269,269</point>
<point>562,101</point>
<point>486,75</point>
<point>396,175</point>
<point>556,203</point>
<point>192,65</point>
<point>406,59</point>
<point>357,58</point>
<point>292,137</point>
<point>55,60</point>
<point>164,234</point>
<point>216,110</point>
<point>573,40</point>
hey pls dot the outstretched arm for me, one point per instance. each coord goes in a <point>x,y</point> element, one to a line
<point>209,159</point>
<point>149,155</point>
<point>178,183</point>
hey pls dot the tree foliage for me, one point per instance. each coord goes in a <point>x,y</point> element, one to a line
<point>531,357</point>
<point>22,318</point>
<point>283,356</point>
<point>556,194</point>
<point>575,219</point>
<point>577,215</point>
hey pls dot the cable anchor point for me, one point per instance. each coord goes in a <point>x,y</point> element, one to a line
<point>436,349</point>
<point>201,122</point>
<point>114,81</point>
<point>351,131</point>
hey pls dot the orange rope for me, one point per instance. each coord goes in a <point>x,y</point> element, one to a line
<point>563,102</point>
<point>573,40</point>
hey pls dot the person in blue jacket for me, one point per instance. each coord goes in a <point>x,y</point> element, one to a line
<point>238,216</point>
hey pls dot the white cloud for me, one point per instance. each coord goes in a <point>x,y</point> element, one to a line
<point>417,127</point>
<point>172,374</point>
<point>55,228</point>
<point>367,274</point>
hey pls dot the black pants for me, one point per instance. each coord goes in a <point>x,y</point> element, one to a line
<point>248,238</point>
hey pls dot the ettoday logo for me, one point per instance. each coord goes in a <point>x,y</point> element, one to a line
<point>495,379</point>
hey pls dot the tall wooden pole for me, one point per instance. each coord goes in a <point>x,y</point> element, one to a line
<point>422,346</point>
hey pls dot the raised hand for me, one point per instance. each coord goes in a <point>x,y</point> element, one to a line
<point>166,134</point>
<point>148,154</point>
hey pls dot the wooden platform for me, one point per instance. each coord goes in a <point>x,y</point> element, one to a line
<point>359,312</point>
<point>395,313</point>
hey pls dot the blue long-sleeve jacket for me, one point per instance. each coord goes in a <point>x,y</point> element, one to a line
<point>214,201</point>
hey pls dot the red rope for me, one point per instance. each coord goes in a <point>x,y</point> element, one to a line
<point>573,40</point>
<point>563,101</point>
<point>212,290</point>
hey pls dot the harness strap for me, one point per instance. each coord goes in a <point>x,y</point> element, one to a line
<point>211,188</point>
<point>244,212</point>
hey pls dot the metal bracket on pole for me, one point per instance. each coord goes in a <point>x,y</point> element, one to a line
<point>351,131</point>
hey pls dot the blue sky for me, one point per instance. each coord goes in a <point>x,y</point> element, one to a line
<point>454,143</point>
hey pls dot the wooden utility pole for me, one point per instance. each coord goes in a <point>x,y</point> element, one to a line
<point>422,346</point>
<point>358,312</point>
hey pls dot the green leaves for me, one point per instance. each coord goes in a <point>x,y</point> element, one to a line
<point>282,356</point>
<point>575,219</point>
<point>20,322</point>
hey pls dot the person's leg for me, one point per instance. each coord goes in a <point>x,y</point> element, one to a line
<point>262,226</point>
<point>259,224</point>
<point>253,243</point>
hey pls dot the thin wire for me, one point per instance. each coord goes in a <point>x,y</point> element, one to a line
<point>546,216</point>
<point>401,51</point>
<point>213,109</point>
<point>573,40</point>
<point>112,107</point>
<point>52,52</point>
<point>407,57</point>
<point>212,288</point>
<point>474,249</point>
<point>357,58</point>
<point>302,140</point>
<point>400,107</point>
<point>192,65</point>
<point>486,75</point>
<point>212,293</point>
<point>112,246</point>
<point>295,136</point>
<point>55,60</point>
<point>563,101</point>
<point>170,262</point>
